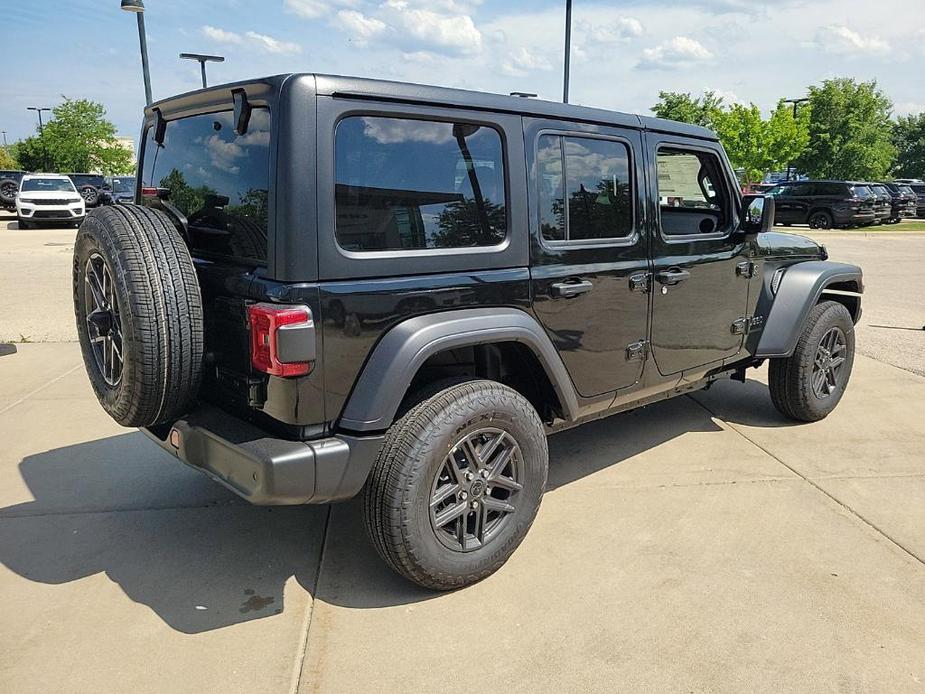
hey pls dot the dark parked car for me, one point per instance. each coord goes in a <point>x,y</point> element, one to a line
<point>904,201</point>
<point>117,190</point>
<point>883,201</point>
<point>9,186</point>
<point>824,204</point>
<point>919,190</point>
<point>398,291</point>
<point>89,186</point>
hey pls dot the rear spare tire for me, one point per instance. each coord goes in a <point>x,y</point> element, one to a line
<point>90,194</point>
<point>139,314</point>
<point>8,189</point>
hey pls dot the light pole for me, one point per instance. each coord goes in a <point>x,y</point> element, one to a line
<point>568,48</point>
<point>795,103</point>
<point>4,138</point>
<point>203,59</point>
<point>38,110</point>
<point>138,7</point>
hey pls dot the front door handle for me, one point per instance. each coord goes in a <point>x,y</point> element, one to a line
<point>566,290</point>
<point>672,276</point>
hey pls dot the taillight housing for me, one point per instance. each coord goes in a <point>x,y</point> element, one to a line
<point>282,339</point>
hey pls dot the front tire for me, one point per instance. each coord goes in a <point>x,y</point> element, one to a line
<point>457,484</point>
<point>808,385</point>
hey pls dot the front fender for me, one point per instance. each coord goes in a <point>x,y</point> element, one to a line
<point>799,290</point>
<point>395,360</point>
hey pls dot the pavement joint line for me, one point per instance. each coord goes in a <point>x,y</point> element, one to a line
<point>809,481</point>
<point>39,389</point>
<point>686,485</point>
<point>119,509</point>
<point>907,369</point>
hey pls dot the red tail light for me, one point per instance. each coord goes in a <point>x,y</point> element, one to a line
<point>147,192</point>
<point>282,339</point>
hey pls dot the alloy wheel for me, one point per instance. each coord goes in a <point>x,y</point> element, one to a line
<point>828,363</point>
<point>475,490</point>
<point>104,324</point>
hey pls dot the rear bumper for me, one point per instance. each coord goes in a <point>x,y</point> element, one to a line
<point>848,217</point>
<point>266,470</point>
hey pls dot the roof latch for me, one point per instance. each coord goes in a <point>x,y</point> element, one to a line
<point>242,111</point>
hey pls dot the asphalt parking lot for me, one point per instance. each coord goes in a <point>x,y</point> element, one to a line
<point>703,544</point>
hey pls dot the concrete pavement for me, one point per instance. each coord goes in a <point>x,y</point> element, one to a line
<point>701,544</point>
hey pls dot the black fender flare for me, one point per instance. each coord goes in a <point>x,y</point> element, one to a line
<point>395,360</point>
<point>799,290</point>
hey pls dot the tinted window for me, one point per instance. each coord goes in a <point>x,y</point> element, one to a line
<point>123,185</point>
<point>830,189</point>
<point>906,190</point>
<point>595,176</point>
<point>219,180</point>
<point>861,191</point>
<point>404,184</point>
<point>801,189</point>
<point>56,185</point>
<point>919,189</point>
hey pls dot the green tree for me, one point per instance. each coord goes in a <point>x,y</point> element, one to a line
<point>850,134</point>
<point>7,160</point>
<point>78,138</point>
<point>757,145</point>
<point>683,107</point>
<point>909,140</point>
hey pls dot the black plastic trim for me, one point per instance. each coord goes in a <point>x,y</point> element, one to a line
<point>799,290</point>
<point>384,380</point>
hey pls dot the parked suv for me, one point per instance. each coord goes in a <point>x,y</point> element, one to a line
<point>89,186</point>
<point>117,189</point>
<point>341,286</point>
<point>48,198</point>
<point>9,187</point>
<point>883,201</point>
<point>919,190</point>
<point>824,204</point>
<point>904,201</point>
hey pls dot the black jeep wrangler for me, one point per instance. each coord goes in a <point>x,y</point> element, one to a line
<point>339,286</point>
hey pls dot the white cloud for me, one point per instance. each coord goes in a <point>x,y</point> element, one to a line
<point>521,61</point>
<point>361,27</point>
<point>620,30</point>
<point>841,40</point>
<point>223,154</point>
<point>271,45</point>
<point>262,42</point>
<point>678,52</point>
<point>220,35</point>
<point>450,32</point>
<point>313,9</point>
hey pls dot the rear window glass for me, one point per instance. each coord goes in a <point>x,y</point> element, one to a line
<point>218,179</point>
<point>403,184</point>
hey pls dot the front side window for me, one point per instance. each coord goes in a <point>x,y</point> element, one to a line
<point>594,176</point>
<point>692,198</point>
<point>404,184</point>
<point>218,179</point>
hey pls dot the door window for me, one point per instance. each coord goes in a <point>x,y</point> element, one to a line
<point>405,184</point>
<point>594,176</point>
<point>691,193</point>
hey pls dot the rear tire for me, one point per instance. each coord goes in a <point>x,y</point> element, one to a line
<point>457,484</point>
<point>820,220</point>
<point>90,194</point>
<point>139,314</point>
<point>8,189</point>
<point>808,385</point>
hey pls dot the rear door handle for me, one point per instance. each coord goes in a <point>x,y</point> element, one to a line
<point>566,290</point>
<point>672,276</point>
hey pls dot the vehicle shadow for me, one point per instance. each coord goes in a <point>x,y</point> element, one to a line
<point>746,403</point>
<point>202,559</point>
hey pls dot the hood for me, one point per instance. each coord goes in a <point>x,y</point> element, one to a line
<point>50,195</point>
<point>776,244</point>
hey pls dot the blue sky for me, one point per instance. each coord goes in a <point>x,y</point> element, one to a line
<point>624,52</point>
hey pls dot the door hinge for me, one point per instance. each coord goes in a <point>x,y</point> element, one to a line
<point>640,282</point>
<point>740,326</point>
<point>746,269</point>
<point>637,350</point>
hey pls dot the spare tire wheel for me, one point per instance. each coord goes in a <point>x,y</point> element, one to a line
<point>139,314</point>
<point>8,189</point>
<point>90,194</point>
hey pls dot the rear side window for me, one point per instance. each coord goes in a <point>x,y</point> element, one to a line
<point>218,179</point>
<point>403,184</point>
<point>594,176</point>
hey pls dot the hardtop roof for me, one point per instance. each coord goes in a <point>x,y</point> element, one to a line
<point>406,92</point>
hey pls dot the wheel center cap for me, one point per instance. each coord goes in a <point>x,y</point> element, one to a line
<point>477,487</point>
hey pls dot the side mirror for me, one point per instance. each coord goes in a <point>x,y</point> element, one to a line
<point>757,214</point>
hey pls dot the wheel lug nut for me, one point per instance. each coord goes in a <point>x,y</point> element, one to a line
<point>484,474</point>
<point>475,504</point>
<point>463,496</point>
<point>469,476</point>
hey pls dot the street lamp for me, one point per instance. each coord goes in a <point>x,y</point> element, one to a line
<point>795,102</point>
<point>568,48</point>
<point>203,59</point>
<point>138,7</point>
<point>4,138</point>
<point>38,110</point>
